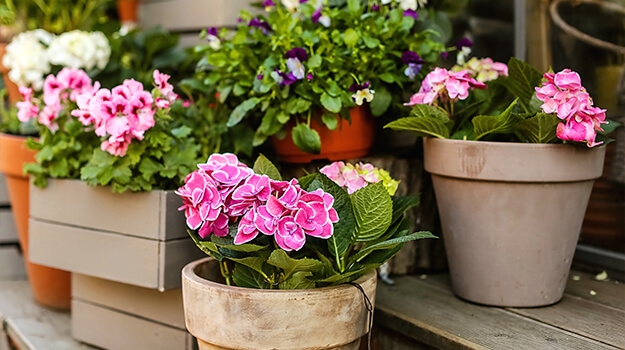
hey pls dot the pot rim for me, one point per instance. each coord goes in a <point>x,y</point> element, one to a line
<point>188,273</point>
<point>506,144</point>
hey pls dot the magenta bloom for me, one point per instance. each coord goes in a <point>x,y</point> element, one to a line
<point>411,13</point>
<point>441,85</point>
<point>255,22</point>
<point>165,88</point>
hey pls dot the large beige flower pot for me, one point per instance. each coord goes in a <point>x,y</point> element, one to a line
<point>511,214</point>
<point>226,317</point>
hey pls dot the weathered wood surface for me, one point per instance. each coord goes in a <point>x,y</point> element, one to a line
<point>30,326</point>
<point>418,256</point>
<point>427,311</point>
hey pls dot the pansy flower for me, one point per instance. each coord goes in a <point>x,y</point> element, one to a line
<point>361,93</point>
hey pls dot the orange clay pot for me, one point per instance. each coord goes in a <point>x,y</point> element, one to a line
<point>14,93</point>
<point>128,11</point>
<point>348,140</point>
<point>51,287</point>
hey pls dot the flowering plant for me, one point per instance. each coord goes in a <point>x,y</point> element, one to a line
<point>559,110</point>
<point>75,117</point>
<point>313,59</point>
<point>306,233</point>
<point>32,55</point>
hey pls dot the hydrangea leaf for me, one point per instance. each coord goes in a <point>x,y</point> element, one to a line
<point>422,126</point>
<point>373,210</point>
<point>540,128</point>
<point>246,277</point>
<point>503,123</point>
<point>299,280</point>
<point>522,79</point>
<point>264,166</point>
<point>280,259</point>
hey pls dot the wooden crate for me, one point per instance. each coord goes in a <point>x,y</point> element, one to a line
<point>133,238</point>
<point>118,316</point>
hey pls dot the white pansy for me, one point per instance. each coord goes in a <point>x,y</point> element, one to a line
<point>462,56</point>
<point>296,67</point>
<point>80,49</point>
<point>408,4</point>
<point>325,20</point>
<point>363,95</point>
<point>386,2</point>
<point>291,5</point>
<point>27,59</point>
<point>213,42</point>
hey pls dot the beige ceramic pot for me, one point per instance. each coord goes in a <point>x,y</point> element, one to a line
<point>511,214</point>
<point>226,317</point>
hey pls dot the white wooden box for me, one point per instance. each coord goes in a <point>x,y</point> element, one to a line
<point>118,316</point>
<point>133,238</point>
<point>8,232</point>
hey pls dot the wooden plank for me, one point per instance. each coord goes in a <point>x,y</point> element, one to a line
<point>151,214</point>
<point>4,192</point>
<point>174,255</point>
<point>8,232</point>
<point>109,329</point>
<point>587,318</point>
<point>163,307</point>
<point>30,326</point>
<point>610,293</point>
<point>184,15</point>
<point>431,314</point>
<point>111,256</point>
<point>11,263</point>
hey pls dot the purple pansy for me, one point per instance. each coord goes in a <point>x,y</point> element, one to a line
<point>315,16</point>
<point>410,57</point>
<point>255,22</point>
<point>444,55</point>
<point>464,42</point>
<point>355,87</point>
<point>212,31</point>
<point>375,7</point>
<point>260,77</point>
<point>283,79</point>
<point>297,52</point>
<point>268,3</point>
<point>411,13</point>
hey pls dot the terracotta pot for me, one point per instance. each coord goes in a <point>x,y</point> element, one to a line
<point>13,90</point>
<point>128,11</point>
<point>226,317</point>
<point>51,287</point>
<point>511,214</point>
<point>346,141</point>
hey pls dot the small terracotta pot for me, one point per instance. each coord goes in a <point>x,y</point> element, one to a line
<point>51,287</point>
<point>225,317</point>
<point>346,141</point>
<point>128,11</point>
<point>511,214</point>
<point>13,90</point>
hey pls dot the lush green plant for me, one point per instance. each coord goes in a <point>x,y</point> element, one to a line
<point>361,48</point>
<point>541,111</point>
<point>274,234</point>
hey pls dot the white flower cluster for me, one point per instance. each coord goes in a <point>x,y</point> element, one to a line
<point>30,55</point>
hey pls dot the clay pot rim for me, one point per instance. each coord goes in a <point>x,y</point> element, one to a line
<point>506,144</point>
<point>188,273</point>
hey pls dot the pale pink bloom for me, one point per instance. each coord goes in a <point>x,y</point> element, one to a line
<point>574,131</point>
<point>117,148</point>
<point>353,177</point>
<point>162,103</point>
<point>442,84</point>
<point>567,80</point>
<point>26,109</point>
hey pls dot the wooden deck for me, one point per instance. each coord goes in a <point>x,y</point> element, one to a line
<point>421,312</point>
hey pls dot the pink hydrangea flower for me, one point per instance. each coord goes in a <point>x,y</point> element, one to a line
<point>225,191</point>
<point>353,177</point>
<point>564,95</point>
<point>442,85</point>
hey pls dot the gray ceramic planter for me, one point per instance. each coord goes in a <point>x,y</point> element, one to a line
<point>225,317</point>
<point>511,214</point>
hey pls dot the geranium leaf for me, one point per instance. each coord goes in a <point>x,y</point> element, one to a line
<point>280,259</point>
<point>306,139</point>
<point>373,210</point>
<point>540,128</point>
<point>263,166</point>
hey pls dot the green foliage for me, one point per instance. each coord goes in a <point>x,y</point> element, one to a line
<point>371,229</point>
<point>360,45</point>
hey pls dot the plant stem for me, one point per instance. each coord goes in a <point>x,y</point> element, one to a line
<point>223,267</point>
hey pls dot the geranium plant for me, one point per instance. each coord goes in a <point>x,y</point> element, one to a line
<point>126,137</point>
<point>304,60</point>
<point>271,233</point>
<point>547,108</point>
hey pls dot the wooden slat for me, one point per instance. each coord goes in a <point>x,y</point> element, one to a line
<point>11,263</point>
<point>31,326</point>
<point>587,318</point>
<point>109,329</point>
<point>609,293</point>
<point>430,313</point>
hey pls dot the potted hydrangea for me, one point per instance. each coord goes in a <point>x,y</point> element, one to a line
<point>293,261</point>
<point>515,181</point>
<point>303,74</point>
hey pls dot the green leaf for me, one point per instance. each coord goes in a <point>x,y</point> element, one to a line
<point>245,248</point>
<point>345,277</point>
<point>182,131</point>
<point>246,277</point>
<point>495,124</point>
<point>423,126</point>
<point>332,104</point>
<point>330,120</point>
<point>350,36</point>
<point>391,243</point>
<point>373,210</point>
<point>263,166</point>
<point>401,204</point>
<point>381,101</point>
<point>353,5</point>
<point>306,139</point>
<point>344,229</point>
<point>253,262</point>
<point>241,110</point>
<point>298,280</point>
<point>423,111</point>
<point>315,61</point>
<point>540,128</point>
<point>387,78</point>
<point>371,43</point>
<point>148,168</point>
<point>297,106</point>
<point>522,79</point>
<point>280,259</point>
